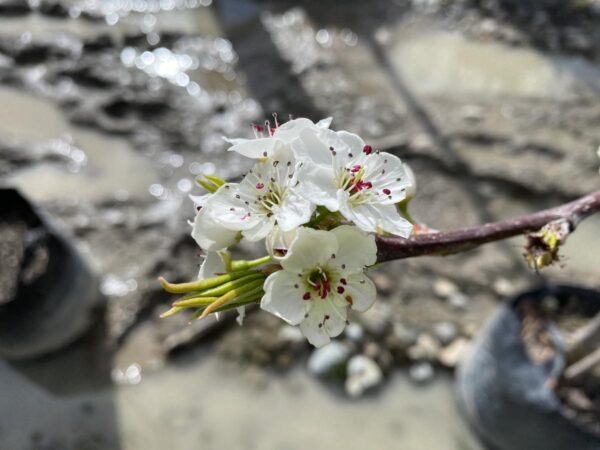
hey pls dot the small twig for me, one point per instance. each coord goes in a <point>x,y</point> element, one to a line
<point>583,366</point>
<point>584,340</point>
<point>449,242</point>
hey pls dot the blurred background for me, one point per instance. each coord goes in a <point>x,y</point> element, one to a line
<point>110,108</point>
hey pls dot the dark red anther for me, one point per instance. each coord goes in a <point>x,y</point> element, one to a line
<point>343,281</point>
<point>386,191</point>
<point>360,185</point>
<point>340,289</point>
<point>260,185</point>
<point>355,169</point>
<point>258,127</point>
<point>306,296</point>
<point>367,149</point>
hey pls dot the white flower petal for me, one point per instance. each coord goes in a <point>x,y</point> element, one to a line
<point>335,319</point>
<point>390,180</point>
<point>310,249</point>
<point>283,299</point>
<point>411,189</point>
<point>362,291</point>
<point>324,123</point>
<point>260,231</point>
<point>200,200</point>
<point>377,218</point>
<point>228,208</point>
<point>279,241</point>
<point>318,185</point>
<point>252,148</point>
<point>310,148</point>
<point>294,211</point>
<point>210,235</point>
<point>324,321</point>
<point>316,335</point>
<point>241,315</point>
<point>291,130</point>
<point>211,266</point>
<point>357,249</point>
<point>353,141</point>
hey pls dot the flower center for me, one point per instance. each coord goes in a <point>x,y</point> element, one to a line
<point>275,196</point>
<point>320,282</point>
<point>352,180</point>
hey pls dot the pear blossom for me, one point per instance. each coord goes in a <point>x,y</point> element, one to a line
<point>263,146</point>
<point>322,275</point>
<point>209,234</point>
<point>265,198</point>
<point>278,242</point>
<point>411,189</point>
<point>342,173</point>
<point>320,271</point>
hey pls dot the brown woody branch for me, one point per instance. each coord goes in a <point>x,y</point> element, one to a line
<point>449,242</point>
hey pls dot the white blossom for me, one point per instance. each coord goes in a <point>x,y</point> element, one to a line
<point>263,146</point>
<point>209,234</point>
<point>264,199</point>
<point>342,173</point>
<point>278,242</point>
<point>411,189</point>
<point>322,275</point>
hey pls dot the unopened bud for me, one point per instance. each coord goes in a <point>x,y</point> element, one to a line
<point>543,245</point>
<point>411,189</point>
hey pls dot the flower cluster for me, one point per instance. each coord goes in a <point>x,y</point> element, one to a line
<point>316,196</point>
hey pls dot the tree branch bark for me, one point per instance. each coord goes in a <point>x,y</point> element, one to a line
<point>449,242</point>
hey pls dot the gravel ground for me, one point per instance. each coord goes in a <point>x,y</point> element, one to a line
<point>109,112</point>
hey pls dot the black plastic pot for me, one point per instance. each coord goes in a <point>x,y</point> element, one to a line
<point>506,398</point>
<point>55,293</point>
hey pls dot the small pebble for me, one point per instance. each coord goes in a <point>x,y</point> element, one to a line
<point>355,332</point>
<point>445,332</point>
<point>372,350</point>
<point>451,355</point>
<point>403,335</point>
<point>421,373</point>
<point>458,301</point>
<point>470,329</point>
<point>444,288</point>
<point>426,348</point>
<point>327,360</point>
<point>362,374</point>
<point>503,287</point>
